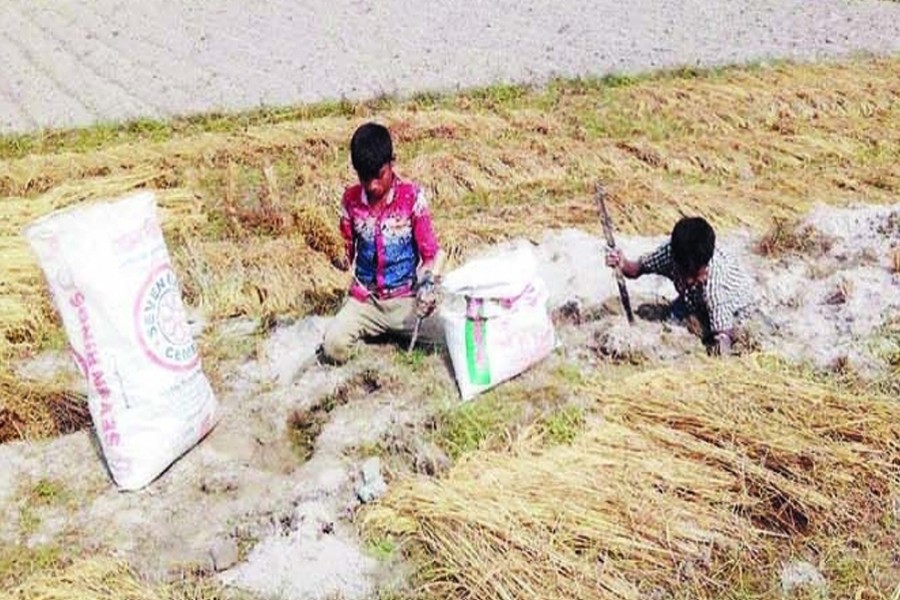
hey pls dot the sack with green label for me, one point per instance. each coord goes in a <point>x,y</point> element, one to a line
<point>112,282</point>
<point>496,319</point>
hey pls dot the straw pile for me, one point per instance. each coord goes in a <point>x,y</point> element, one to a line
<point>91,579</point>
<point>688,470</point>
<point>31,409</point>
<point>101,578</point>
<point>792,237</point>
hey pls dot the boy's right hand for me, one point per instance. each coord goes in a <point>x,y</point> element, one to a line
<point>614,258</point>
<point>341,263</point>
<point>722,345</point>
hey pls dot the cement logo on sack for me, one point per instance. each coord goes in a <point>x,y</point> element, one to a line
<point>161,323</point>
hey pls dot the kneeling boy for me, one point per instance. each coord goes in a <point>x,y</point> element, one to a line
<point>389,241</point>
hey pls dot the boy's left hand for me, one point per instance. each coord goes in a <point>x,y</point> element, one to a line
<point>426,296</point>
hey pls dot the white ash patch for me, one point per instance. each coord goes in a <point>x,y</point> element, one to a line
<point>828,307</point>
<point>643,341</point>
<point>313,562</point>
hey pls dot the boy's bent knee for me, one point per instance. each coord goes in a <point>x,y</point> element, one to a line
<point>343,332</point>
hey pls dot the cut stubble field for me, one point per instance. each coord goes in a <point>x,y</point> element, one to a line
<point>682,480</point>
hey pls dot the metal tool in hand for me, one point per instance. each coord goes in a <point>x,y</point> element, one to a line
<point>415,335</point>
<point>600,197</point>
<point>436,268</point>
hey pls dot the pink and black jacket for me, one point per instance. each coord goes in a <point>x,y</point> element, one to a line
<point>387,242</point>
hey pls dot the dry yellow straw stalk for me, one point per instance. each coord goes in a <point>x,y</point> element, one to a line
<point>92,579</point>
<point>687,467</point>
<point>32,409</point>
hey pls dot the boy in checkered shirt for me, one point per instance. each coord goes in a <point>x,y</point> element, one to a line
<point>711,286</point>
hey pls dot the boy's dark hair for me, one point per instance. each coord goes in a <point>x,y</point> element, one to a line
<point>370,149</point>
<point>693,243</point>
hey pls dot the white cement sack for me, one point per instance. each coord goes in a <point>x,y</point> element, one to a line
<point>120,301</point>
<point>496,320</point>
<point>503,274</point>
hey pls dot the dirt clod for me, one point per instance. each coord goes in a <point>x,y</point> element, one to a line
<point>224,554</point>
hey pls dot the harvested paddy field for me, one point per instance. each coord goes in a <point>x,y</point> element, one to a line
<point>628,464</point>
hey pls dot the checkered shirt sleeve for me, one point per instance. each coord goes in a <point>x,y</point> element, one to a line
<point>727,291</point>
<point>659,261</point>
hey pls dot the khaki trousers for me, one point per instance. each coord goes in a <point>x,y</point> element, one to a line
<point>371,318</point>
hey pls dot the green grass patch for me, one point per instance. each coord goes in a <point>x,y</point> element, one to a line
<point>47,492</point>
<point>34,499</point>
<point>536,403</point>
<point>413,360</point>
<point>563,426</point>
<point>501,96</point>
<point>382,549</point>
<point>466,428</point>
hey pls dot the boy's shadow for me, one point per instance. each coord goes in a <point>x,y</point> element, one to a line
<point>656,312</point>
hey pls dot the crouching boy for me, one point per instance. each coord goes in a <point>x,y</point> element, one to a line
<point>711,286</point>
<point>391,245</point>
